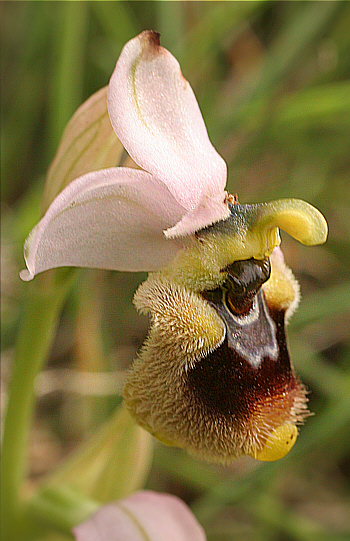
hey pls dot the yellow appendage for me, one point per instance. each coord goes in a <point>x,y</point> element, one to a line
<point>278,444</point>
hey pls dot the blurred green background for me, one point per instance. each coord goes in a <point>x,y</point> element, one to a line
<point>272,81</point>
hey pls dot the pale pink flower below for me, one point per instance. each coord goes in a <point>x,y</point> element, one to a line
<point>143,516</point>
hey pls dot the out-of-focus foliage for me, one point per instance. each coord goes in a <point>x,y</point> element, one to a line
<point>272,80</point>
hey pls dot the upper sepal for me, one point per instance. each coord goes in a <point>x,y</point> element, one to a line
<point>155,114</point>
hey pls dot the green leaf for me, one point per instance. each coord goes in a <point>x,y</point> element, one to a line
<point>111,465</point>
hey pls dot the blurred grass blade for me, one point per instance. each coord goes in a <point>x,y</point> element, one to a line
<point>204,41</point>
<point>70,35</point>
<point>118,22</point>
<point>171,24</point>
<point>315,104</point>
<point>323,376</point>
<point>326,303</point>
<point>298,31</point>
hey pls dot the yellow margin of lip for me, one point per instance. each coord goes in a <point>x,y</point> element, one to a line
<point>278,444</point>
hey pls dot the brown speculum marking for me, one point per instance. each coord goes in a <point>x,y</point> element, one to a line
<point>250,373</point>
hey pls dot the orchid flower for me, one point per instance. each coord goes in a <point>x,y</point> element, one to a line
<point>143,516</point>
<point>214,375</point>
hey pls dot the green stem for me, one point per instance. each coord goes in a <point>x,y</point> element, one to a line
<point>45,298</point>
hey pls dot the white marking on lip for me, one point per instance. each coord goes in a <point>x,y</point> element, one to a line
<point>252,346</point>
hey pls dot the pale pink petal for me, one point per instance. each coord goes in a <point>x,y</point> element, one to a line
<point>144,516</point>
<point>155,114</point>
<point>205,214</point>
<point>109,219</point>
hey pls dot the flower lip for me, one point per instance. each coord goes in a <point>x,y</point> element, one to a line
<point>247,384</point>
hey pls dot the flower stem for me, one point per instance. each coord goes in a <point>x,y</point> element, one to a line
<point>45,298</point>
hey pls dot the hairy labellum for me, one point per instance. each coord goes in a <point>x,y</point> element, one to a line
<point>215,375</point>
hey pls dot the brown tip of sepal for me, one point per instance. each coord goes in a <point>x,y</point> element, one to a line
<point>152,37</point>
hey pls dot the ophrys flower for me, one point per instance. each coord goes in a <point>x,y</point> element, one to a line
<point>214,375</point>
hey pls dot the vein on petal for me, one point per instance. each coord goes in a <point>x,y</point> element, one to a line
<point>68,149</point>
<point>135,521</point>
<point>134,91</point>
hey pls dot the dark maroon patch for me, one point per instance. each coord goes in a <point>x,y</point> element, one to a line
<point>225,383</point>
<point>250,373</point>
